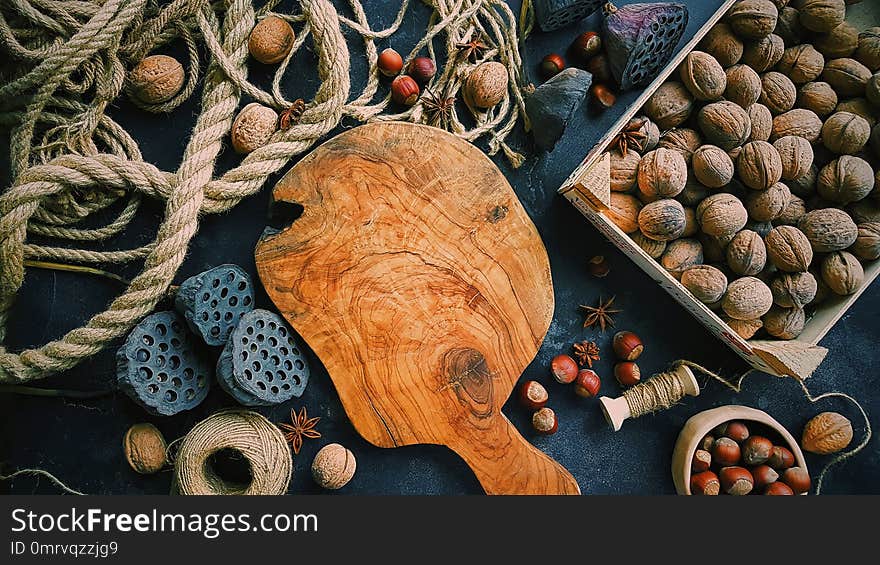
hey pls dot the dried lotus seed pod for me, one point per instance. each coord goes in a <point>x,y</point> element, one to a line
<point>778,93</point>
<point>271,40</point>
<point>253,127</point>
<point>670,105</point>
<point>752,19</point>
<point>796,155</point>
<point>747,298</point>
<point>788,26</point>
<point>680,255</point>
<point>801,63</point>
<point>822,16</point>
<point>805,186</point>
<point>785,323</point>
<point>789,249</point>
<point>867,244</point>
<point>721,215</point>
<point>759,165</point>
<point>818,97</point>
<point>793,212</point>
<point>845,180</point>
<point>723,44</point>
<point>743,86</point>
<point>828,229</point>
<point>841,41</point>
<point>712,166</point>
<point>663,220</point>
<point>800,122</point>
<point>156,79</point>
<point>762,55</point>
<point>868,52</point>
<point>762,122</point>
<point>705,282</point>
<point>624,170</point>
<point>847,76</point>
<point>703,76</point>
<point>746,254</point>
<point>214,301</point>
<point>652,247</point>
<point>845,133</point>
<point>624,211</point>
<point>724,124</point>
<point>794,290</point>
<point>767,205</point>
<point>842,272</point>
<point>683,140</point>
<point>745,329</point>
<point>662,173</point>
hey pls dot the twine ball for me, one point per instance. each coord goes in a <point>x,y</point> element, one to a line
<point>259,441</point>
<point>333,467</point>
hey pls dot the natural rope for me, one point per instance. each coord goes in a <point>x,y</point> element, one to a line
<point>659,392</point>
<point>259,441</point>
<point>41,473</point>
<point>70,161</point>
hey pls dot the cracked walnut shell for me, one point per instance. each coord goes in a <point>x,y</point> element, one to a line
<point>747,298</point>
<point>826,433</point>
<point>789,249</point>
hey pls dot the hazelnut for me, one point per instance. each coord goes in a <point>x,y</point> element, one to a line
<point>701,461</point>
<point>723,44</point>
<point>762,123</point>
<point>156,79</point>
<point>705,282</point>
<point>703,76</point>
<point>600,68</point>
<point>721,215</point>
<point>818,97</point>
<point>764,475</point>
<point>712,166</point>
<point>743,85</point>
<point>333,466</point>
<point>796,155</point>
<point>842,272</point>
<point>423,69</point>
<point>652,247</point>
<point>253,127</point>
<point>752,19</point>
<point>564,369</point>
<point>551,65</point>
<point>736,481</point>
<point>624,170</point>
<point>797,479</point>
<point>705,484</point>
<point>662,173</point>
<point>767,205</point>
<point>587,383</point>
<point>801,122</point>
<point>602,97</point>
<point>784,323</point>
<point>544,421</point>
<point>746,254</point>
<point>778,92</point>
<point>827,433</point>
<point>680,255</point>
<point>486,85</point>
<point>670,105</point>
<point>781,458</point>
<point>627,346</point>
<point>801,63</point>
<point>663,220</point>
<point>847,76</point>
<point>390,62</point>
<point>725,452</point>
<point>759,165</point>
<point>598,266</point>
<point>404,90</point>
<point>845,180</point>
<point>747,298</point>
<point>828,229</point>
<point>706,443</point>
<point>762,55</point>
<point>735,430</point>
<point>822,15</point>
<point>867,244</point>
<point>724,124</point>
<point>745,329</point>
<point>586,46</point>
<point>533,395</point>
<point>868,51</point>
<point>789,249</point>
<point>778,489</point>
<point>271,40</point>
<point>628,374</point>
<point>624,212</point>
<point>683,140</point>
<point>144,447</point>
<point>793,290</point>
<point>841,41</point>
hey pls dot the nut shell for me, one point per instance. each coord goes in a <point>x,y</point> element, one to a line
<point>721,215</point>
<point>841,41</point>
<point>703,76</point>
<point>822,15</point>
<point>828,229</point>
<point>670,105</point>
<point>868,51</point>
<point>800,122</point>
<point>789,249</point>
<point>743,85</point>
<point>767,205</point>
<point>144,447</point>
<point>818,97</point>
<point>826,433</point>
<point>747,298</point>
<point>762,122</point>
<point>867,244</point>
<point>788,26</point>
<point>683,140</point>
<point>333,466</point>
<point>650,246</point>
<point>271,40</point>
<point>794,290</point>
<point>724,124</point>
<point>156,79</point>
<point>801,63</point>
<point>624,212</point>
<point>624,170</point>
<point>861,106</point>
<point>705,282</point>
<point>845,133</point>
<point>847,76</point>
<point>762,55</point>
<point>844,180</point>
<point>486,85</point>
<point>663,220</point>
<point>662,173</point>
<point>778,92</point>
<point>796,155</point>
<point>842,272</point>
<point>759,165</point>
<point>680,255</point>
<point>752,19</point>
<point>712,166</point>
<point>723,44</point>
<point>745,329</point>
<point>253,127</point>
<point>746,253</point>
<point>805,186</point>
<point>784,323</point>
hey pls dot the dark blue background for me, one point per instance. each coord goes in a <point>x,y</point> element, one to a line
<point>81,441</point>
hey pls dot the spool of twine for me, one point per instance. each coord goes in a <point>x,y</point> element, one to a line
<point>657,393</point>
<point>258,441</point>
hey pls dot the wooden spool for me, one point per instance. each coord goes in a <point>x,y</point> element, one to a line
<point>616,410</point>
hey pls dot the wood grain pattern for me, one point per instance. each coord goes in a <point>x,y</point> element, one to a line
<point>419,280</point>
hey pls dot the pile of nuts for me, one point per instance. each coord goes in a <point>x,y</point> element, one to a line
<point>760,194</point>
<point>588,52</point>
<point>731,460</point>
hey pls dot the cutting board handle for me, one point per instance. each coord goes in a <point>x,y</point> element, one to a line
<point>505,463</point>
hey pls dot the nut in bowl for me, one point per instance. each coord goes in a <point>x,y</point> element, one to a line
<point>750,478</point>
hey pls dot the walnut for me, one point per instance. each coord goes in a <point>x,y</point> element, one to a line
<point>691,225</point>
<point>624,211</point>
<point>663,220</point>
<point>683,140</point>
<point>745,329</point>
<point>822,15</point>
<point>845,133</point>
<point>759,165</point>
<point>721,215</point>
<point>703,76</point>
<point>793,212</point>
<point>864,211</point>
<point>156,79</point>
<point>796,155</point>
<point>271,40</point>
<point>752,19</point>
<point>650,246</point>
<point>762,55</point>
<point>333,466</point>
<point>725,124</point>
<point>624,170</point>
<point>847,76</point>
<point>801,122</point>
<point>868,52</point>
<point>827,433</point>
<point>841,41</point>
<point>747,298</point>
<point>778,92</point>
<point>712,166</point>
<point>818,97</point>
<point>767,205</point>
<point>801,63</point>
<point>789,249</point>
<point>788,26</point>
<point>823,291</point>
<point>784,323</point>
<point>842,272</point>
<point>762,122</point>
<point>845,180</point>
<point>746,253</point>
<point>144,448</point>
<point>794,290</point>
<point>253,127</point>
<point>867,244</point>
<point>860,106</point>
<point>486,85</point>
<point>694,191</point>
<point>875,141</point>
<point>670,105</point>
<point>828,229</point>
<point>705,282</point>
<point>805,186</point>
<point>680,255</point>
<point>721,43</point>
<point>651,133</point>
<point>662,173</point>
<point>743,85</point>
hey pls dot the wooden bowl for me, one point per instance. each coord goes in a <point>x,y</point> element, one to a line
<point>701,424</point>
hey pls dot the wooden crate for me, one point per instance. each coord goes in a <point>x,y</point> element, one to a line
<point>588,189</point>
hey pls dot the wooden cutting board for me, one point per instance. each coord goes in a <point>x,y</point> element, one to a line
<point>416,276</point>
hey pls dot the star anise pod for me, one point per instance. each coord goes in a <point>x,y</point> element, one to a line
<point>301,427</point>
<point>471,50</point>
<point>631,136</point>
<point>292,114</point>
<point>600,315</point>
<point>586,352</point>
<point>438,109</point>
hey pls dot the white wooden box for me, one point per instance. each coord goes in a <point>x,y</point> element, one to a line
<point>588,189</point>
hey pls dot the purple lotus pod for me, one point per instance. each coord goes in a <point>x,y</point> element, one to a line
<point>641,38</point>
<point>554,14</point>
